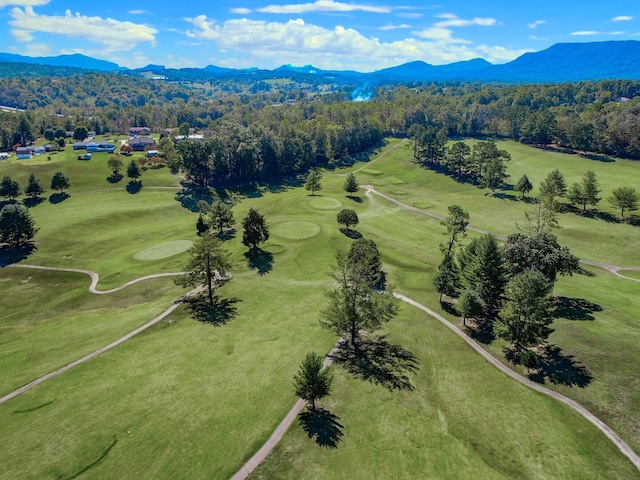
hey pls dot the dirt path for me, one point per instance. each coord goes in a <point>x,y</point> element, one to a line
<point>610,268</point>
<point>603,427</point>
<point>92,288</point>
<point>280,430</point>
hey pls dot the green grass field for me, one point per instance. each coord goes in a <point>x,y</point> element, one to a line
<point>189,400</point>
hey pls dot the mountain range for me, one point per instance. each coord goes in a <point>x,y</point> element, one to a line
<point>562,62</point>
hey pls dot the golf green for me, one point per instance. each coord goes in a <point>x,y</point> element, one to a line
<point>325,203</point>
<point>163,250</point>
<point>296,230</point>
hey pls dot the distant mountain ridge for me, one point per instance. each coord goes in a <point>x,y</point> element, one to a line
<point>562,62</point>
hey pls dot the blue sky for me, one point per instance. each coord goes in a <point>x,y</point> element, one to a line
<point>329,34</point>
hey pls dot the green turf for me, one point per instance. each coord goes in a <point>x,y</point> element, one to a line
<point>630,273</point>
<point>191,400</point>
<point>464,420</point>
<point>163,250</point>
<point>601,238</point>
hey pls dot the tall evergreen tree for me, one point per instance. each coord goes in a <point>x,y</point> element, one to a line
<point>133,171</point>
<point>9,188</point>
<point>312,182</point>
<point>586,192</point>
<point>16,225</point>
<point>625,198</point>
<point>482,269</point>
<point>351,184</point>
<point>456,223</point>
<point>221,214</point>
<point>527,314</point>
<point>312,382</point>
<point>524,185</point>
<point>34,187</point>
<point>352,306</point>
<point>554,184</point>
<point>447,277</point>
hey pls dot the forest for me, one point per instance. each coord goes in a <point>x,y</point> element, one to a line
<point>261,130</point>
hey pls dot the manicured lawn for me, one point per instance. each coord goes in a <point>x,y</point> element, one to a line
<point>186,399</point>
<point>605,240</point>
<point>463,420</point>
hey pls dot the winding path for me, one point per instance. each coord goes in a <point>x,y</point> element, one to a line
<point>613,269</point>
<point>92,288</point>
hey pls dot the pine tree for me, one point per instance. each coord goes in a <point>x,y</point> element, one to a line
<point>133,171</point>
<point>60,181</point>
<point>312,382</point>
<point>34,187</point>
<point>256,230</point>
<point>524,186</point>
<point>9,188</point>
<point>221,214</point>
<point>351,184</point>
<point>312,183</point>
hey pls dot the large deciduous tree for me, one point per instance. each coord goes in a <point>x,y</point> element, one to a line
<point>209,264</point>
<point>540,252</point>
<point>312,382</point>
<point>527,314</point>
<point>624,198</point>
<point>255,229</point>
<point>60,182</point>
<point>347,217</point>
<point>16,225</point>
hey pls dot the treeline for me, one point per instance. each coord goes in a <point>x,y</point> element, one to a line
<point>600,117</point>
<point>278,142</point>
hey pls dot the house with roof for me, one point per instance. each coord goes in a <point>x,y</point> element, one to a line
<point>24,153</point>
<point>135,131</point>
<point>140,144</point>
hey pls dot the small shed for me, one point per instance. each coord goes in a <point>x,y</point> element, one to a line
<point>23,153</point>
<point>152,153</point>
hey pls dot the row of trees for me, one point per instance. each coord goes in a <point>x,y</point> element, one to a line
<point>507,285</point>
<point>10,188</point>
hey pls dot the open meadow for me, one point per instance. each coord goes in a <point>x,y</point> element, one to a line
<point>186,399</point>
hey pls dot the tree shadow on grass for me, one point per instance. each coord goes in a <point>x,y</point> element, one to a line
<point>260,260</point>
<point>220,313</point>
<point>377,361</point>
<point>58,197</point>
<point>560,369</point>
<point>349,232</point>
<point>585,272</point>
<point>115,178</point>
<point>189,198</point>
<point>506,196</point>
<point>323,426</point>
<point>355,198</point>
<point>31,202</point>
<point>575,309</point>
<point>134,187</point>
<point>227,234</point>
<point>481,330</point>
<point>10,255</point>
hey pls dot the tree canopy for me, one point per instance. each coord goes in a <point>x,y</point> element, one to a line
<point>255,229</point>
<point>312,382</point>
<point>17,227</point>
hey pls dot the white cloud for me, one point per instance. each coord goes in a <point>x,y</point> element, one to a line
<point>241,11</point>
<point>584,33</point>
<point>23,3</point>
<point>22,35</point>
<point>387,28</point>
<point>537,23</point>
<point>323,6</point>
<point>267,44</point>
<point>622,18</point>
<point>409,15</point>
<point>452,20</point>
<point>137,12</point>
<point>115,35</point>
